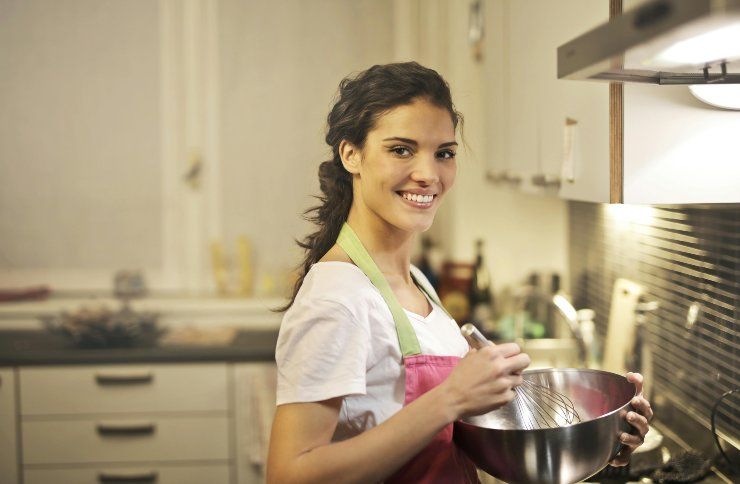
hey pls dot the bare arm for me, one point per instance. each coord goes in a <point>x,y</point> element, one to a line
<point>301,450</point>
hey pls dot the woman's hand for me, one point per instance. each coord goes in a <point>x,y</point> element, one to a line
<point>638,419</point>
<point>484,379</point>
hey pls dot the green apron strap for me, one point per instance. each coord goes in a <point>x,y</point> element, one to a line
<point>351,244</point>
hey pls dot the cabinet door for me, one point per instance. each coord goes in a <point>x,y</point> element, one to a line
<point>533,113</point>
<point>159,474</point>
<point>523,96</point>
<point>678,150</point>
<point>574,116</point>
<point>8,427</point>
<point>65,390</point>
<point>495,89</point>
<point>127,438</point>
<point>254,407</point>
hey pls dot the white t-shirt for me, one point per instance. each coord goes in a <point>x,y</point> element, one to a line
<point>339,339</point>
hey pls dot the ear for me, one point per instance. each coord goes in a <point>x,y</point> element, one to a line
<point>351,156</point>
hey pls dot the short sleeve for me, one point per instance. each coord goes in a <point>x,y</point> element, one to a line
<point>321,352</point>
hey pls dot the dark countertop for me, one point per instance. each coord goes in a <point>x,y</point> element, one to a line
<point>38,347</point>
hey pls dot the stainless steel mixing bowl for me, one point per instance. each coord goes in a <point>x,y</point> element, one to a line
<point>499,443</point>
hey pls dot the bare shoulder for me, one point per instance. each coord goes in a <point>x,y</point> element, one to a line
<point>337,254</point>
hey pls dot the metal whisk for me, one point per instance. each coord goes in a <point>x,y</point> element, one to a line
<point>539,406</point>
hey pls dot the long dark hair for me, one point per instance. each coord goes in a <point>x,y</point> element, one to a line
<point>361,100</point>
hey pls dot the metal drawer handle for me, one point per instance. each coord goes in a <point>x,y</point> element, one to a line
<point>145,428</point>
<point>113,477</point>
<point>124,378</point>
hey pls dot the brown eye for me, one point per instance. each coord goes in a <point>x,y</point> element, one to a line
<point>446,154</point>
<point>401,150</point>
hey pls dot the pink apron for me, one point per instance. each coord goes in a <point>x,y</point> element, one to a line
<point>441,461</point>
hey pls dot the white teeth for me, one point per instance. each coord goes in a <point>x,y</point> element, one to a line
<point>418,198</point>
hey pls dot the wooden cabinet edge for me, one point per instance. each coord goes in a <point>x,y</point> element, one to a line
<point>616,132</point>
<point>616,140</point>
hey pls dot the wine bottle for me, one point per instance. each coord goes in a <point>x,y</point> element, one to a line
<point>481,296</point>
<point>425,264</point>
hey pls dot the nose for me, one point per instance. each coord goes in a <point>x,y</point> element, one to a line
<point>426,169</point>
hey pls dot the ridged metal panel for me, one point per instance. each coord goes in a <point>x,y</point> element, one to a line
<point>681,255</point>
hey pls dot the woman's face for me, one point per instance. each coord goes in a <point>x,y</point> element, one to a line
<point>407,165</point>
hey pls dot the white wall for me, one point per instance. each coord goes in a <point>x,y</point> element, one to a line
<point>281,64</point>
<point>79,139</point>
<point>108,144</point>
<point>106,102</point>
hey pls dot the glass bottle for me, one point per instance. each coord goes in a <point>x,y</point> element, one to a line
<point>481,296</point>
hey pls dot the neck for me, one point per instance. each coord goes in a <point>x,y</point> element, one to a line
<point>389,246</point>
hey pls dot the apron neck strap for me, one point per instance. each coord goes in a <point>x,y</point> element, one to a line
<point>430,293</point>
<point>351,244</point>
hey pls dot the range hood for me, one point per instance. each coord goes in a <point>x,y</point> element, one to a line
<point>660,42</point>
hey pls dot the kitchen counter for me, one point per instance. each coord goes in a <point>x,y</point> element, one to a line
<point>39,347</point>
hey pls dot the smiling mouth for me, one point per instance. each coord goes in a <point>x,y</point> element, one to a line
<point>418,201</point>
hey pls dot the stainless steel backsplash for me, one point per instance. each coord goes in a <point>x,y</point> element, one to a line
<point>683,256</point>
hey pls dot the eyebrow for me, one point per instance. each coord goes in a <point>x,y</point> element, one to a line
<point>412,142</point>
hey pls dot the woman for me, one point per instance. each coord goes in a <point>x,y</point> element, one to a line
<point>371,370</point>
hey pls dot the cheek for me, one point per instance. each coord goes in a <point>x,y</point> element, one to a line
<point>448,175</point>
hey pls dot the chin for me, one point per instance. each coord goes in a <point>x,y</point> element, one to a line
<point>415,226</point>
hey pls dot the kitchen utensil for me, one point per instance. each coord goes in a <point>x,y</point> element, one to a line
<point>620,335</point>
<point>502,444</point>
<point>538,406</point>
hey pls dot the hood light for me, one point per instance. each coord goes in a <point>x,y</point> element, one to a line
<point>717,45</point>
<point>725,96</point>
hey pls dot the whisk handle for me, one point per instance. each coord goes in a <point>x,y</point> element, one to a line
<point>474,337</point>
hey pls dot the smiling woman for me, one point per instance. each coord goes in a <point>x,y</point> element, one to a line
<point>368,376</point>
<point>372,371</point>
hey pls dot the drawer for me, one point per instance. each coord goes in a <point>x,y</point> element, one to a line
<point>216,474</point>
<point>125,440</point>
<point>64,390</point>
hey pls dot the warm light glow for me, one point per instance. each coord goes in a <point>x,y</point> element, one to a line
<point>716,45</point>
<point>725,96</point>
<point>624,215</point>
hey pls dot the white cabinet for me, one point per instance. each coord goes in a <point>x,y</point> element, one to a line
<point>677,150</point>
<point>65,390</point>
<point>528,108</point>
<point>573,128</point>
<point>254,408</point>
<point>164,423</point>
<point>125,439</point>
<point>104,420</point>
<point>559,138</point>
<point>162,474</point>
<point>8,427</point>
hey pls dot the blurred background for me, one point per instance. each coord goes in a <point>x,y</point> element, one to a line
<point>156,157</point>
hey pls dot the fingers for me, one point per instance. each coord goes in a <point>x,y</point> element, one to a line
<point>516,364</point>
<point>516,379</point>
<point>631,440</point>
<point>639,419</point>
<point>637,379</point>
<point>508,349</point>
<point>642,406</point>
<point>630,443</point>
